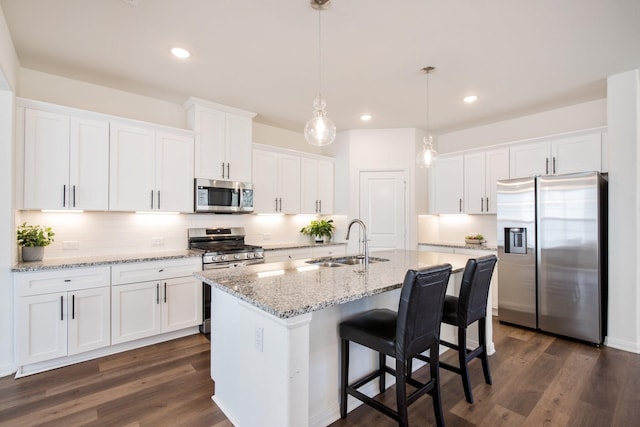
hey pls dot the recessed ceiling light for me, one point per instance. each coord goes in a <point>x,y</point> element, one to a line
<point>365,117</point>
<point>181,53</point>
<point>469,99</point>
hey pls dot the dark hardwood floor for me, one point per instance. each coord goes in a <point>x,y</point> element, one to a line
<point>538,380</point>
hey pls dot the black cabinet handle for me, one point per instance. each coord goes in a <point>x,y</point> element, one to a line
<point>61,308</point>
<point>64,196</point>
<point>547,166</point>
<point>554,164</point>
<point>222,164</point>
<point>165,292</point>
<point>481,204</point>
<point>157,293</point>
<point>158,199</point>
<point>460,203</point>
<point>320,203</point>
<point>74,196</point>
<point>73,306</point>
<point>151,199</point>
<point>487,204</point>
<point>228,170</point>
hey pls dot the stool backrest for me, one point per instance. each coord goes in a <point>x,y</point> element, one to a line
<point>420,310</point>
<point>474,290</point>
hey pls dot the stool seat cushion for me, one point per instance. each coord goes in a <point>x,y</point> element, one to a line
<point>450,310</point>
<point>375,329</point>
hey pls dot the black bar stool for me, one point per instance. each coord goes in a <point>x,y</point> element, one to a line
<point>414,329</point>
<point>461,311</point>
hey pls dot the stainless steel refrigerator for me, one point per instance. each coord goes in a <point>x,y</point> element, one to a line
<point>552,247</point>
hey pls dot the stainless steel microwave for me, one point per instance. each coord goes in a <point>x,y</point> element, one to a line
<point>217,196</point>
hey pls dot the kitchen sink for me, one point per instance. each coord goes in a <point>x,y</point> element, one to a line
<point>342,261</point>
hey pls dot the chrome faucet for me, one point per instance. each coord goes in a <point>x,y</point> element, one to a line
<point>365,240</point>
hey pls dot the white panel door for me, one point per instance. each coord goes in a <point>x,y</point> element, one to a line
<point>265,171</point>
<point>89,319</point>
<point>89,165</point>
<point>181,303</point>
<point>174,173</point>
<point>309,186</point>
<point>581,153</point>
<point>42,328</point>
<point>446,185</point>
<point>135,311</point>
<point>132,168</point>
<point>46,155</point>
<point>474,183</point>
<point>289,183</point>
<point>325,186</point>
<point>383,208</point>
<point>531,159</point>
<point>497,168</point>
<point>238,147</point>
<point>209,145</point>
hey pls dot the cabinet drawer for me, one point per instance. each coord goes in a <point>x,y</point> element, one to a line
<point>154,270</point>
<point>324,251</point>
<point>44,282</point>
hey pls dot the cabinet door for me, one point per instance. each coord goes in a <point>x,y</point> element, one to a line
<point>132,168</point>
<point>474,183</point>
<point>89,324</point>
<point>580,153</point>
<point>238,147</point>
<point>46,157</point>
<point>325,186</point>
<point>447,185</point>
<point>135,311</point>
<point>289,183</point>
<point>209,143</point>
<point>496,168</point>
<point>89,165</point>
<point>309,186</point>
<point>181,303</point>
<point>265,171</point>
<point>41,332</point>
<point>174,173</point>
<point>530,159</point>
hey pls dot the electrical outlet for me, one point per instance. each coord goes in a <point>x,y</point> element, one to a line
<point>259,338</point>
<point>70,245</point>
<point>266,236</point>
<point>157,241</point>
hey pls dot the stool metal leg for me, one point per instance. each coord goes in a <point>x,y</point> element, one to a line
<point>401,393</point>
<point>482,338</point>
<point>344,377</point>
<point>462,359</point>
<point>382,360</point>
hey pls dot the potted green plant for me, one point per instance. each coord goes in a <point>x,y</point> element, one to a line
<point>321,230</point>
<point>33,239</point>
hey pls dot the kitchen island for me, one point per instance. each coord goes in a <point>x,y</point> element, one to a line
<point>274,338</point>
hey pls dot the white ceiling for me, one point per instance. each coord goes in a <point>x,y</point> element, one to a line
<point>518,56</point>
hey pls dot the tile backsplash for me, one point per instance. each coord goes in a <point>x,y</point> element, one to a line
<point>110,233</point>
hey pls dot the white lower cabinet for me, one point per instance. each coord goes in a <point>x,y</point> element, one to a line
<point>61,313</point>
<point>164,297</point>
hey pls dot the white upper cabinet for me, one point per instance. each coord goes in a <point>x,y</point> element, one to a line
<point>66,162</point>
<point>276,185</point>
<point>561,155</point>
<point>316,186</point>
<point>482,169</point>
<point>223,140</point>
<point>446,185</point>
<point>150,170</point>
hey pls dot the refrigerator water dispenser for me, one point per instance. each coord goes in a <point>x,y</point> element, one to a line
<point>515,240</point>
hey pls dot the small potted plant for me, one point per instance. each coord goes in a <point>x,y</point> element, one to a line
<point>474,239</point>
<point>321,230</point>
<point>33,239</point>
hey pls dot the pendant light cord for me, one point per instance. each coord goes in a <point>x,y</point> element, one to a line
<point>320,53</point>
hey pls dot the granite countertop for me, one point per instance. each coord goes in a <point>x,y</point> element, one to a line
<point>291,288</point>
<point>93,261</point>
<point>297,245</point>
<point>482,247</point>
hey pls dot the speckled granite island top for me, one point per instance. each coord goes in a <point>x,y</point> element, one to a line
<point>292,288</point>
<point>92,261</point>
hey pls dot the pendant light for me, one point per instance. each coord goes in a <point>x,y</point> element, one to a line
<point>320,130</point>
<point>426,156</point>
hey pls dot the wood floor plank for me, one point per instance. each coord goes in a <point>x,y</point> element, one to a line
<point>538,380</point>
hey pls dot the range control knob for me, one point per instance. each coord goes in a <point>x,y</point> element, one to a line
<point>257,255</point>
<point>223,257</point>
<point>237,256</point>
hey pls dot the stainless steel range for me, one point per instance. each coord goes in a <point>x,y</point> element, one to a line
<point>222,247</point>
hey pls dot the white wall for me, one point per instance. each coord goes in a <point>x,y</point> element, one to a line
<point>8,82</point>
<point>561,120</point>
<point>377,150</point>
<point>623,95</point>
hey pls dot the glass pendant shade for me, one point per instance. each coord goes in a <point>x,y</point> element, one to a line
<point>320,130</point>
<point>425,157</point>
